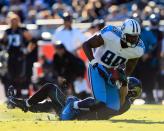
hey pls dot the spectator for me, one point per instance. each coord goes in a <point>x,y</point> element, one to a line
<point>96,26</point>
<point>42,72</point>
<point>113,13</point>
<point>146,67</point>
<point>154,20</point>
<point>59,8</point>
<point>20,47</point>
<point>31,17</point>
<point>71,37</point>
<point>66,65</point>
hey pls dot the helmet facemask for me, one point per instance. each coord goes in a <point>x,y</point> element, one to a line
<point>134,93</point>
<point>130,40</point>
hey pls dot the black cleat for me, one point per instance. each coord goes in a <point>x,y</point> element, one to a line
<point>10,91</point>
<point>10,94</point>
<point>15,102</point>
<point>20,103</point>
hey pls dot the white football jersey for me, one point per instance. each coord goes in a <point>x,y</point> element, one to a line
<point>111,54</point>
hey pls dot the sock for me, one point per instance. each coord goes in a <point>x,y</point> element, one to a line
<point>84,104</point>
<point>75,105</point>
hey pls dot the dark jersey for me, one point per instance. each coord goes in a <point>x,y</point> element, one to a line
<point>15,40</point>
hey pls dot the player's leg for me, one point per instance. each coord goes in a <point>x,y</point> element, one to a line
<point>73,105</point>
<point>99,111</point>
<point>48,90</point>
<point>100,91</point>
<point>84,104</point>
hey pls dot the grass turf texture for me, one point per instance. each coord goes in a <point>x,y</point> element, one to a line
<point>138,118</point>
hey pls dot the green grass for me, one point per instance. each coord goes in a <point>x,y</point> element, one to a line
<point>138,118</point>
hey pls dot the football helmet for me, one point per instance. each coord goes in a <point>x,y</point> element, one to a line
<point>130,32</point>
<point>134,88</point>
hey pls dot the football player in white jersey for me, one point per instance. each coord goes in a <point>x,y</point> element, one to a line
<point>114,47</point>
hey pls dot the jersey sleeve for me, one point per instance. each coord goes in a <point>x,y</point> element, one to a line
<point>106,33</point>
<point>109,32</point>
<point>140,50</point>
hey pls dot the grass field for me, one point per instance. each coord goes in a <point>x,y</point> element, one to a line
<point>138,118</point>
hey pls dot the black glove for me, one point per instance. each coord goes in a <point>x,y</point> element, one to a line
<point>122,76</point>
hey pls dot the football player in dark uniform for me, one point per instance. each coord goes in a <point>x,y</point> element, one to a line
<point>22,51</point>
<point>58,100</point>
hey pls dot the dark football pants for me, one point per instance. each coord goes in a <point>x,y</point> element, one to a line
<point>97,112</point>
<point>51,91</point>
<point>57,102</point>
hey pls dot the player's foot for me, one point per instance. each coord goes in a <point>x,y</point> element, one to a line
<point>15,102</point>
<point>10,94</point>
<point>69,112</point>
<point>20,103</point>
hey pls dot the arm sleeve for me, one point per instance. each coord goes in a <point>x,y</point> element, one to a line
<point>106,34</point>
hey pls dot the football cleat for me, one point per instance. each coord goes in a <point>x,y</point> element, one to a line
<point>15,102</point>
<point>10,94</point>
<point>20,103</point>
<point>69,113</point>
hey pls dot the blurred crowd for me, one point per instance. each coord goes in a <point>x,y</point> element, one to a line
<point>81,10</point>
<point>19,48</point>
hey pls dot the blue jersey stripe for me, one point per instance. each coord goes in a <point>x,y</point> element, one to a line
<point>112,29</point>
<point>141,44</point>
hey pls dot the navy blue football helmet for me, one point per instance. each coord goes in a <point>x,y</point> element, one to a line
<point>134,88</point>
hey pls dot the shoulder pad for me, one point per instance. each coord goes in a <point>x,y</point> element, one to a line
<point>112,29</point>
